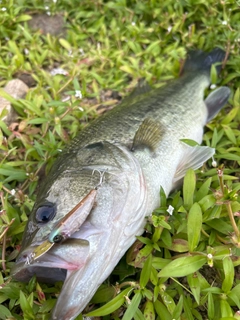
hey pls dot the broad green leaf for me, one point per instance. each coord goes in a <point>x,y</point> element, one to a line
<point>163,198</point>
<point>194,226</point>
<point>133,306</point>
<point>47,305</point>
<point>146,272</point>
<point>162,311</point>
<point>127,69</point>
<point>65,44</point>
<point>228,269</point>
<point>153,276</point>
<point>23,17</point>
<point>214,74</point>
<point>204,189</point>
<point>236,290</point>
<point>228,156</point>
<point>190,142</point>
<point>235,298</point>
<point>189,184</point>
<point>26,306</point>
<point>4,312</point>
<point>187,309</point>
<point>103,294</point>
<point>138,315</point>
<point>178,245</point>
<point>178,309</point>
<point>226,310</point>
<point>207,202</point>
<point>183,266</point>
<point>230,134</point>
<point>194,284</point>
<point>167,300</point>
<point>38,121</point>
<point>13,174</point>
<point>149,312</point>
<point>229,318</point>
<point>167,238</point>
<point>160,263</point>
<point>220,225</point>
<point>111,306</point>
<point>210,307</point>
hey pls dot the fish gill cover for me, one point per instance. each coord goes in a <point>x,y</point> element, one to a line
<point>186,263</point>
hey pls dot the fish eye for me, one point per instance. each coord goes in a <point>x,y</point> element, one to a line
<point>45,213</point>
<point>58,238</point>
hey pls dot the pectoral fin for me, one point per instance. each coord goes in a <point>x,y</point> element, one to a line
<point>216,101</point>
<point>194,158</point>
<point>148,135</point>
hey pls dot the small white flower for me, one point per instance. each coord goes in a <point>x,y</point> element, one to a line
<point>26,51</point>
<point>169,28</point>
<point>214,163</point>
<point>13,192</point>
<point>46,7</point>
<point>133,23</point>
<point>56,71</point>
<point>170,210</point>
<point>59,150</point>
<point>48,13</point>
<point>212,86</point>
<point>54,1</point>
<point>210,256</point>
<point>4,9</point>
<point>81,109</point>
<point>224,22</point>
<point>81,51</point>
<point>78,94</point>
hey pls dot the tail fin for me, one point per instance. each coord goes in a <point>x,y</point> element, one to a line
<point>199,60</point>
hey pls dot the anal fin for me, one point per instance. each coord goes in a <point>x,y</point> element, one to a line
<point>148,135</point>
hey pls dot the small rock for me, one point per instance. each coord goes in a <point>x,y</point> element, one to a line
<point>18,90</point>
<point>26,78</point>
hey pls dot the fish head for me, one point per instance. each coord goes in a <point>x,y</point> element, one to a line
<point>52,205</point>
<point>89,255</point>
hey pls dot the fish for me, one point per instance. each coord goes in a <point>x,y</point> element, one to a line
<point>108,179</point>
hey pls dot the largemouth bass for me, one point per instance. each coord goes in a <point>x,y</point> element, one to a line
<point>95,200</point>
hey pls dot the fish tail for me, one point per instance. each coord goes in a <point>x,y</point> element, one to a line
<point>202,61</point>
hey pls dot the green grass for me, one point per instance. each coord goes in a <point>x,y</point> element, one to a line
<point>110,45</point>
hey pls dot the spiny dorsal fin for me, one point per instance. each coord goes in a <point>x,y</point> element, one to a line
<point>148,135</point>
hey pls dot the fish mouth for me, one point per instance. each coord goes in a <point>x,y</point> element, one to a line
<point>53,265</point>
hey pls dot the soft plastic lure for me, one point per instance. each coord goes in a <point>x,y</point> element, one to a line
<point>74,219</point>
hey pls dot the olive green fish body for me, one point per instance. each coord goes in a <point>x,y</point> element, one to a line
<point>129,154</point>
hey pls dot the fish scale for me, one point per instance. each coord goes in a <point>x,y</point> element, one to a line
<point>137,148</point>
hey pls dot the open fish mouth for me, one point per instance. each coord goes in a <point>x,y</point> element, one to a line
<point>53,265</point>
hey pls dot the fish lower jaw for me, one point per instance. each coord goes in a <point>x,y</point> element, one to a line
<point>49,268</point>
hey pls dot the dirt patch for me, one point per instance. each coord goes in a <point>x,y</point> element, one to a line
<point>53,25</point>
